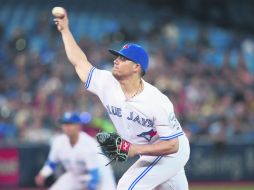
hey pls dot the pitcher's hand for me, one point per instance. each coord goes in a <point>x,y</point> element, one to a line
<point>62,23</point>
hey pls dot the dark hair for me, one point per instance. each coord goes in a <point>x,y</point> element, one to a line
<point>142,73</point>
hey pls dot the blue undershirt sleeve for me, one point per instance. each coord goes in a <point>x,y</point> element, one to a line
<point>93,183</point>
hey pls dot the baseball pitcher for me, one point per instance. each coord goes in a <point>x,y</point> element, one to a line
<point>144,117</point>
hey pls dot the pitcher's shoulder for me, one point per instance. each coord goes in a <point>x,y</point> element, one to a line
<point>156,96</point>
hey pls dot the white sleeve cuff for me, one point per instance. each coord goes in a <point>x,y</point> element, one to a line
<point>46,171</point>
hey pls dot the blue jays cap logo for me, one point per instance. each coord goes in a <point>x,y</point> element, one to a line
<point>126,46</point>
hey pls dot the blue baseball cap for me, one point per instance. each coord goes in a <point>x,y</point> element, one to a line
<point>85,117</point>
<point>70,117</point>
<point>135,53</point>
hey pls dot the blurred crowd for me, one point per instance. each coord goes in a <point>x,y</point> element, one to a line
<point>206,71</point>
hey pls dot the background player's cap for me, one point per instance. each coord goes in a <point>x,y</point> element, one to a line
<point>135,53</point>
<point>70,117</point>
<point>85,117</point>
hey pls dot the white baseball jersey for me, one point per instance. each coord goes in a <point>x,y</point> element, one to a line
<point>144,119</point>
<point>78,160</point>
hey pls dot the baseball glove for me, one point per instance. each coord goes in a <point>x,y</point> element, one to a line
<point>113,146</point>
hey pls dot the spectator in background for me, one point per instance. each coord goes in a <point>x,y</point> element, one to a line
<point>78,153</point>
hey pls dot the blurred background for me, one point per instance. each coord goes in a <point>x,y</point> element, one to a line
<point>201,57</point>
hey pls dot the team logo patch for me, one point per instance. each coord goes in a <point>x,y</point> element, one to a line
<point>125,46</point>
<point>148,135</point>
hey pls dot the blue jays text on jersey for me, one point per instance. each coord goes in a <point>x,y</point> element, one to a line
<point>112,110</point>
